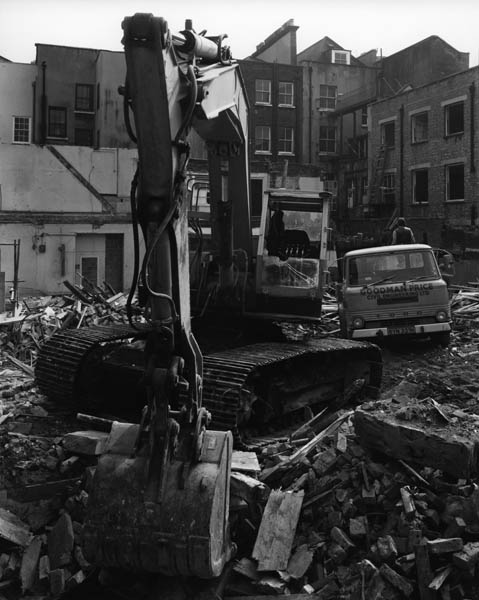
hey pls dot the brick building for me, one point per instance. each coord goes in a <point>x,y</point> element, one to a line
<point>366,198</point>
<point>274,85</point>
<point>425,142</point>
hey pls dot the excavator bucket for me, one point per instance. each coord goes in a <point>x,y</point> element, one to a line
<point>184,532</point>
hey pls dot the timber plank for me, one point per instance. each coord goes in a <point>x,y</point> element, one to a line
<point>273,544</point>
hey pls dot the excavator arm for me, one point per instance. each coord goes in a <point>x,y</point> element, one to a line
<point>173,516</point>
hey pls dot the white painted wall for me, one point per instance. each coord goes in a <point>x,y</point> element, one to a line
<point>16,96</point>
<point>33,180</point>
<point>40,273</point>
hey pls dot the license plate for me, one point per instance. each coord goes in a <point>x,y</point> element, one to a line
<point>401,330</point>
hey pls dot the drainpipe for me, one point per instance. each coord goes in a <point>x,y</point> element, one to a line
<point>34,112</point>
<point>43,122</point>
<point>472,125</point>
<point>401,160</point>
<point>310,108</point>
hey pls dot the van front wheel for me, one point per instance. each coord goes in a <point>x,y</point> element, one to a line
<point>442,339</point>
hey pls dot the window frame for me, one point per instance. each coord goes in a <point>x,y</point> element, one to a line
<point>62,110</point>
<point>388,191</point>
<point>383,127</point>
<point>285,139</point>
<point>327,101</point>
<point>259,91</point>
<point>414,174</point>
<point>364,116</point>
<point>414,128</point>
<point>258,137</point>
<point>291,94</point>
<point>345,53</point>
<point>448,168</point>
<point>91,104</point>
<point>15,130</point>
<point>447,119</point>
<point>328,139</point>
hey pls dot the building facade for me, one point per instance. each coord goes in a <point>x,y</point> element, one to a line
<point>366,198</point>
<point>274,85</point>
<point>77,101</point>
<point>64,199</point>
<point>426,142</point>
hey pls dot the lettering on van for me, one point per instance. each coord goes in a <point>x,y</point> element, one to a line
<point>402,292</point>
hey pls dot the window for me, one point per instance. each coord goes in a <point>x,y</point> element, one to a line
<point>388,188</point>
<point>263,91</point>
<point>83,137</point>
<point>454,118</point>
<point>420,186</point>
<point>84,97</point>
<point>351,193</point>
<point>364,116</point>
<point>362,146</point>
<point>387,134</point>
<point>364,189</point>
<point>341,57</point>
<point>327,97</point>
<point>455,182</point>
<point>419,127</point>
<point>286,93</point>
<point>262,142</point>
<point>327,139</point>
<point>21,130</point>
<point>286,140</point>
<point>57,122</point>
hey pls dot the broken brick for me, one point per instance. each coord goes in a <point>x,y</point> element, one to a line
<point>60,542</point>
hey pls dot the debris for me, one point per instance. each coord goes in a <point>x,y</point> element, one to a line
<point>468,556</point>
<point>13,530</point>
<point>60,543</point>
<point>398,581</point>
<point>451,449</point>
<point>28,569</point>
<point>57,582</point>
<point>91,443</point>
<point>276,533</point>
<point>246,462</point>
<point>443,546</point>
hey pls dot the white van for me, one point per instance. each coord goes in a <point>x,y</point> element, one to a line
<point>393,291</point>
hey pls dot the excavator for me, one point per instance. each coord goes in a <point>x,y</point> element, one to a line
<point>160,495</point>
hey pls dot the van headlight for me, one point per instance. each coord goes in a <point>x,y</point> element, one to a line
<point>358,323</point>
<point>441,316</point>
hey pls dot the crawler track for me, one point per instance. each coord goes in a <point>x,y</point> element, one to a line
<point>60,363</point>
<point>283,377</point>
<point>255,384</point>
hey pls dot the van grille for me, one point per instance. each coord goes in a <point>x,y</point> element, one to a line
<point>398,322</point>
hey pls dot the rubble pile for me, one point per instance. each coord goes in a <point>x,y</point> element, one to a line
<point>319,513</point>
<point>38,318</point>
<point>369,527</point>
<point>330,510</point>
<point>465,306</point>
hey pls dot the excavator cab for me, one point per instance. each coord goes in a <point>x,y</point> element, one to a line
<point>291,268</point>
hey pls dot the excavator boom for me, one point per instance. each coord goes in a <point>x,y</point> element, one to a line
<point>173,516</point>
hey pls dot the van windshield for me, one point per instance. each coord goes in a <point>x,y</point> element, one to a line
<point>370,269</point>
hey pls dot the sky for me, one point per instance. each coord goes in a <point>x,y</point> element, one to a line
<point>357,25</point>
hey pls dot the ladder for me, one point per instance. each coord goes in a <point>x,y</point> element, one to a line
<point>377,176</point>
